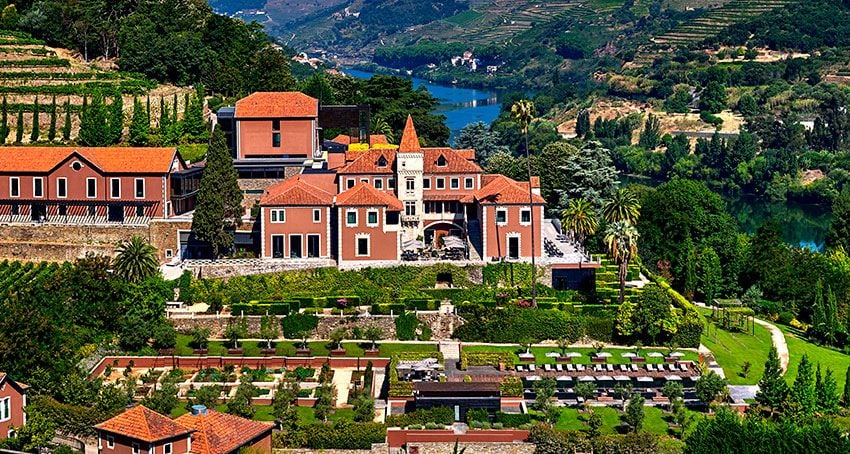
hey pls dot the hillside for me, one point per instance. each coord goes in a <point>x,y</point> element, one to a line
<point>31,71</point>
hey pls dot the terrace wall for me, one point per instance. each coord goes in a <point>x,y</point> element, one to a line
<point>478,441</point>
<point>203,362</point>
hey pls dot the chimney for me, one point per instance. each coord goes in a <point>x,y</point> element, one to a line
<point>199,410</point>
<point>535,185</point>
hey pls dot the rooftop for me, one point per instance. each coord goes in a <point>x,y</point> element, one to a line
<point>220,433</point>
<point>501,190</point>
<point>106,159</point>
<point>296,191</point>
<point>144,424</point>
<point>285,104</point>
<point>364,194</point>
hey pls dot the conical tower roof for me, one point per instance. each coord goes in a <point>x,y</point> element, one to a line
<point>409,139</point>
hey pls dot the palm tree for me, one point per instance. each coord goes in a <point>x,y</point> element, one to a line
<point>135,260</point>
<point>380,126</point>
<point>523,112</point>
<point>622,206</point>
<point>580,217</point>
<point>621,241</point>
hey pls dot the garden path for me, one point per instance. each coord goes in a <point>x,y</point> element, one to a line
<point>779,342</point>
<point>342,378</point>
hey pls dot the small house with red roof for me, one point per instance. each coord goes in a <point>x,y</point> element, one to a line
<point>277,125</point>
<point>296,219</point>
<point>13,400</point>
<point>221,433</point>
<point>369,225</point>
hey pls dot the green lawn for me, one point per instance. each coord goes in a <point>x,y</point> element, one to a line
<point>264,413</point>
<point>732,350</point>
<point>827,357</point>
<point>655,420</point>
<point>252,348</point>
<point>541,358</point>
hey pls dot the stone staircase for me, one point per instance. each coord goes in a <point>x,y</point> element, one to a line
<point>474,239</point>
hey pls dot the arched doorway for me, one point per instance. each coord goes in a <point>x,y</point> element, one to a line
<point>436,231</point>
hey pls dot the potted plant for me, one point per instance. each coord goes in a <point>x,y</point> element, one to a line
<point>299,326</point>
<point>373,334</point>
<point>200,340</point>
<point>164,338</point>
<point>233,333</point>
<point>337,337</point>
<point>269,330</point>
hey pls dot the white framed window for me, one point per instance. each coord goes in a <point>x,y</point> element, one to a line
<point>378,183</point>
<point>38,187</point>
<point>91,188</point>
<point>62,187</point>
<point>441,183</point>
<point>139,188</point>
<point>372,218</point>
<point>317,215</point>
<point>14,187</point>
<point>349,183</point>
<point>410,208</point>
<point>469,183</point>
<point>110,442</point>
<point>525,216</point>
<point>169,253</point>
<point>5,409</point>
<point>501,216</point>
<point>454,183</point>
<point>390,183</point>
<point>166,448</point>
<point>136,449</point>
<point>278,216</point>
<point>11,433</point>
<point>351,218</point>
<point>410,184</point>
<point>363,246</point>
<point>115,188</point>
<point>426,183</point>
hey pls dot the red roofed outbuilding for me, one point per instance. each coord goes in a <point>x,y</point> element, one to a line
<point>13,400</point>
<point>140,430</point>
<point>272,125</point>
<point>221,433</point>
<point>368,224</point>
<point>296,219</point>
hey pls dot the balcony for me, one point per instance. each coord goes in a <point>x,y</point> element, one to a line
<point>410,218</point>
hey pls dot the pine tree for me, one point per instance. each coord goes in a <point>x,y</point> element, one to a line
<point>831,313</point>
<point>19,131</point>
<point>650,137</point>
<point>583,123</point>
<point>845,396</point>
<point>36,130</point>
<point>818,329</point>
<point>66,127</point>
<point>803,393</point>
<point>193,120</point>
<point>139,125</point>
<point>115,121</point>
<point>4,122</point>
<point>772,387</point>
<point>164,122</point>
<point>826,389</point>
<point>219,205</point>
<point>51,132</point>
<point>94,127</point>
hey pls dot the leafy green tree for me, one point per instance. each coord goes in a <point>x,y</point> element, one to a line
<point>19,128</point>
<point>36,434</point>
<point>586,390</point>
<point>678,147</point>
<point>164,336</point>
<point>284,406</point>
<point>710,274</point>
<point>580,218</point>
<point>672,390</point>
<point>709,387</point>
<point>241,402</point>
<point>66,125</point>
<point>623,205</point>
<point>544,391</point>
<point>594,424</point>
<point>589,175</point>
<point>206,395</point>
<point>373,334</point>
<point>621,242</point>
<point>94,126</point>
<point>547,165</point>
<point>679,101</point>
<point>803,394</point>
<point>650,137</point>
<point>635,413</point>
<point>163,400</point>
<point>477,136</point>
<point>139,125</point>
<point>713,97</point>
<point>318,87</point>
<point>4,122</point>
<point>193,120</point>
<point>269,329</point>
<point>583,123</point>
<point>51,131</point>
<point>845,396</point>
<point>325,396</point>
<point>236,329</point>
<point>134,333</point>
<point>839,227</point>
<point>653,315</point>
<point>135,260</point>
<point>219,206</point>
<point>773,390</point>
<point>299,325</point>
<point>748,106</point>
<point>270,71</point>
<point>364,409</point>
<point>503,163</point>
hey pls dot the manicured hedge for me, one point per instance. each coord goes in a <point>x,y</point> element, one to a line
<point>513,419</point>
<point>264,307</point>
<point>510,387</point>
<point>692,325</point>
<point>344,435</point>
<point>49,62</point>
<point>386,309</point>
<point>439,415</point>
<point>485,359</point>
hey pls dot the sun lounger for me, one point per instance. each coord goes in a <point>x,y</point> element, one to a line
<point>571,368</point>
<point>580,367</point>
<point>634,367</point>
<point>531,368</point>
<point>547,367</point>
<point>650,367</point>
<point>559,368</point>
<point>609,367</point>
<point>520,368</point>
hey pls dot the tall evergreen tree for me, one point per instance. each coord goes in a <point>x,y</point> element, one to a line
<point>36,129</point>
<point>115,122</point>
<point>710,274</point>
<point>4,122</point>
<point>139,125</point>
<point>94,126</point>
<point>66,126</point>
<point>51,132</point>
<point>772,387</point>
<point>803,393</point>
<point>839,228</point>
<point>19,127</point>
<point>219,206</point>
<point>845,396</point>
<point>193,120</point>
<point>583,123</point>
<point>826,389</point>
<point>650,137</point>
<point>819,322</point>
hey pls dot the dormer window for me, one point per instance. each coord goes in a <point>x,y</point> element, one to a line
<point>382,161</point>
<point>441,161</point>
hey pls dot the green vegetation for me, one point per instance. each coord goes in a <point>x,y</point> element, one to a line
<point>733,349</point>
<point>541,358</point>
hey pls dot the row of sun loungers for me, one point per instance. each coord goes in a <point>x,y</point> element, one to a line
<point>670,367</point>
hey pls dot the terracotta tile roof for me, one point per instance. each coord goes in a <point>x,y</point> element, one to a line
<point>364,194</point>
<point>409,140</point>
<point>374,139</point>
<point>444,195</point>
<point>144,424</point>
<point>220,433</point>
<point>336,160</point>
<point>455,162</point>
<point>281,104</point>
<point>108,160</point>
<point>296,191</point>
<point>469,155</point>
<point>501,190</point>
<point>366,162</point>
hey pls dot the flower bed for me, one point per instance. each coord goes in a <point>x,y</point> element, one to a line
<point>494,359</point>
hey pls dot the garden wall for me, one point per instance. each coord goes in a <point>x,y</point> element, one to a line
<point>478,441</point>
<point>203,362</point>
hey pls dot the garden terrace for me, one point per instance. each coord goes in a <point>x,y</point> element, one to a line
<point>16,276</point>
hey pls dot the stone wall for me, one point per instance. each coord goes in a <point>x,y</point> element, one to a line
<point>223,269</point>
<point>164,235</point>
<point>477,448</point>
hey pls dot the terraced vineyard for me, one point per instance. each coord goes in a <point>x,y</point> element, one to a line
<point>16,276</point>
<point>31,70</point>
<point>709,24</point>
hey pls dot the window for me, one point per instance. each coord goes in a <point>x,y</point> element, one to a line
<point>349,183</point>
<point>441,183</point>
<point>166,448</point>
<point>140,211</point>
<point>410,208</point>
<point>378,183</point>
<point>115,188</point>
<point>372,218</point>
<point>392,217</point>
<point>382,161</point>
<point>469,183</point>
<point>275,125</point>
<point>38,187</point>
<point>364,180</point>
<point>5,409</point>
<point>454,183</point>
<point>110,441</point>
<point>390,183</point>
<point>63,209</point>
<point>276,139</point>
<point>62,187</point>
<point>136,448</point>
<point>525,216</point>
<point>169,253</point>
<point>14,187</point>
<point>410,183</point>
<point>362,246</point>
<point>91,188</point>
<point>12,433</point>
<point>140,188</point>
<point>501,216</point>
<point>278,216</point>
<point>426,183</point>
<point>441,161</point>
<point>351,218</point>
<point>317,215</point>
<point>76,166</point>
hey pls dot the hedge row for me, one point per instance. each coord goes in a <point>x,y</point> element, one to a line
<point>485,359</point>
<point>344,435</point>
<point>46,62</point>
<point>274,308</point>
<point>438,415</point>
<point>513,419</point>
<point>692,324</point>
<point>398,388</point>
<point>136,87</point>
<point>510,386</point>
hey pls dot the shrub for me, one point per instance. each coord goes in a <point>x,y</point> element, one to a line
<point>438,415</point>
<point>344,435</point>
<point>598,328</point>
<point>485,359</point>
<point>511,386</point>
<point>785,317</point>
<point>477,414</point>
<point>513,419</point>
<point>406,325</point>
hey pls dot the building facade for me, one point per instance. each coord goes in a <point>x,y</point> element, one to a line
<point>13,400</point>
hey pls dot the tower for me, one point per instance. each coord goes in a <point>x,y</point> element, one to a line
<point>409,168</point>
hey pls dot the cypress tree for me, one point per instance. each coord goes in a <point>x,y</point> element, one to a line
<point>19,131</point>
<point>827,392</point>
<point>831,312</point>
<point>193,120</point>
<point>51,132</point>
<point>803,392</point>
<point>583,123</point>
<point>36,130</point>
<point>219,205</point>
<point>115,122</point>
<point>174,118</point>
<point>164,120</point>
<point>818,329</point>
<point>4,122</point>
<point>139,125</point>
<point>66,127</point>
<point>772,387</point>
<point>94,127</point>
<point>845,396</point>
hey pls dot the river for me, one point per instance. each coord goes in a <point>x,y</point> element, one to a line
<point>803,225</point>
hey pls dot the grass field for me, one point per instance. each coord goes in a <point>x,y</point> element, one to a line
<point>252,348</point>
<point>827,357</point>
<point>732,350</point>
<point>307,415</point>
<point>655,420</point>
<point>541,358</point>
